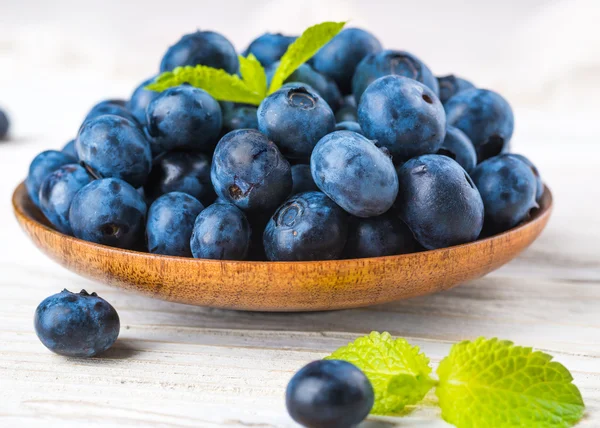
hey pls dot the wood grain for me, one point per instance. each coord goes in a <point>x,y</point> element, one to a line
<point>281,286</point>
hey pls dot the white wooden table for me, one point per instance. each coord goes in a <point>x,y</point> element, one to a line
<point>177,365</point>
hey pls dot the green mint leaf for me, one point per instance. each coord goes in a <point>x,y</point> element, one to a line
<point>308,44</point>
<point>253,74</point>
<point>398,372</point>
<point>218,83</point>
<point>493,383</point>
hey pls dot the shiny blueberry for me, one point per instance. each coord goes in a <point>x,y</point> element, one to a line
<point>76,324</point>
<point>324,86</point>
<point>439,202</point>
<point>183,117</point>
<point>109,212</point>
<point>308,226</point>
<point>269,47</point>
<point>114,107</point>
<point>69,149</point>
<point>249,171</point>
<point>113,146</point>
<point>485,117</point>
<point>356,174</point>
<point>458,146</point>
<point>140,100</point>
<point>403,115</point>
<point>538,178</point>
<point>451,85</point>
<point>349,126</point>
<point>221,232</point>
<point>302,179</point>
<point>57,192</point>
<point>508,188</point>
<point>295,119</point>
<point>170,223</point>
<point>388,62</point>
<point>41,166</point>
<point>187,172</point>
<point>4,125</point>
<point>384,235</point>
<point>338,59</point>
<point>329,394</point>
<point>240,117</point>
<point>204,48</point>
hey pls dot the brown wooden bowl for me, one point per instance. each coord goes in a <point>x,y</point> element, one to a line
<point>280,286</point>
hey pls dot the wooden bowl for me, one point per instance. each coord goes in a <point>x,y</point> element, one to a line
<point>280,286</point>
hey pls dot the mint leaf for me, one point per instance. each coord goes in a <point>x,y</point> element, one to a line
<point>493,383</point>
<point>398,372</point>
<point>305,46</point>
<point>253,74</point>
<point>218,83</point>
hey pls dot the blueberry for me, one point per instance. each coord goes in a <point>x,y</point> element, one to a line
<point>170,223</point>
<point>384,235</point>
<point>346,114</point>
<point>295,119</point>
<point>221,232</point>
<point>324,86</point>
<point>457,146</point>
<point>403,115</point>
<point>69,149</point>
<point>269,47</point>
<point>338,58</point>
<point>109,212</point>
<point>42,165</point>
<point>308,226</point>
<point>113,146</point>
<point>356,174</point>
<point>349,101</point>
<point>201,48</point>
<point>57,192</point>
<point>4,125</point>
<point>387,63</point>
<point>349,126</point>
<point>184,117</point>
<point>141,99</point>
<point>508,188</point>
<point>485,117</point>
<point>439,202</point>
<point>114,107</point>
<point>538,178</point>
<point>240,117</point>
<point>76,324</point>
<point>302,179</point>
<point>329,394</point>
<point>451,85</point>
<point>187,172</point>
<point>249,171</point>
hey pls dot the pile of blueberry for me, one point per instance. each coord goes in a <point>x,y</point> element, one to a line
<point>362,153</point>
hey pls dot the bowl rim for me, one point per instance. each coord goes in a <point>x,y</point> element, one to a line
<point>20,193</point>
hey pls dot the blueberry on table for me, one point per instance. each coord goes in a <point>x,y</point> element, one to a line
<point>4,125</point>
<point>170,223</point>
<point>349,126</point>
<point>355,173</point>
<point>387,63</point>
<point>295,119</point>
<point>403,115</point>
<point>240,117</point>
<point>57,192</point>
<point>183,117</point>
<point>451,85</point>
<point>508,188</point>
<point>308,226</point>
<point>76,324</point>
<point>329,394</point>
<point>269,47</point>
<point>538,178</point>
<point>384,235</point>
<point>113,146</point>
<point>221,232</point>
<point>114,107</point>
<point>41,166</point>
<point>249,171</point>
<point>338,58</point>
<point>457,146</point>
<point>485,117</point>
<point>201,48</point>
<point>439,202</point>
<point>324,86</point>
<point>179,171</point>
<point>109,212</point>
<point>141,99</point>
<point>69,149</point>
<point>302,180</point>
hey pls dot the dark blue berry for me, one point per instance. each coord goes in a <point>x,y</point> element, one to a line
<point>240,117</point>
<point>324,86</point>
<point>140,100</point>
<point>114,107</point>
<point>349,126</point>
<point>269,47</point>
<point>538,178</point>
<point>347,114</point>
<point>451,85</point>
<point>457,146</point>
<point>4,125</point>
<point>69,149</point>
<point>302,179</point>
<point>41,166</point>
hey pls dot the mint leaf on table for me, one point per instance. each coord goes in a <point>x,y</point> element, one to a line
<point>305,46</point>
<point>493,383</point>
<point>398,372</point>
